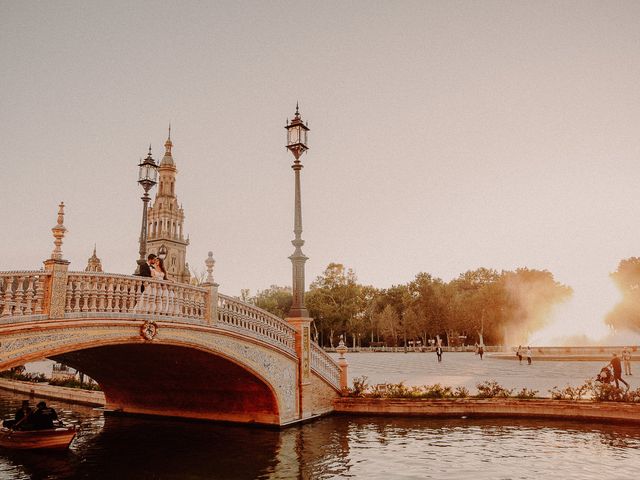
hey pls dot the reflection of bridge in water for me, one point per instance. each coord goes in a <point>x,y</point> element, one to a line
<point>166,348</point>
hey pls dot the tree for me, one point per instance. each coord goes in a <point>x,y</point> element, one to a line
<point>275,299</point>
<point>626,314</point>
<point>334,300</point>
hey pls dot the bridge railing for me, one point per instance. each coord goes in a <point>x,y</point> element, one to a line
<point>109,293</point>
<point>234,314</point>
<point>325,366</point>
<point>22,293</point>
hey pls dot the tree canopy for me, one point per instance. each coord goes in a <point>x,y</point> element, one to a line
<point>482,305</point>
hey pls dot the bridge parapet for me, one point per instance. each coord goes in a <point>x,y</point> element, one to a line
<point>105,292</point>
<point>325,366</point>
<point>234,314</point>
<point>22,293</point>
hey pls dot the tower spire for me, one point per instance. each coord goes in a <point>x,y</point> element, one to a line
<point>168,144</point>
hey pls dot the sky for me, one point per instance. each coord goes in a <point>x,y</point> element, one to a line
<point>445,136</point>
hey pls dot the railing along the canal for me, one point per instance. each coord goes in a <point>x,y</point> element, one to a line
<point>242,317</point>
<point>109,293</point>
<point>22,293</point>
<point>324,365</point>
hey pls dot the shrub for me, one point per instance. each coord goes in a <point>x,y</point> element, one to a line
<point>492,389</point>
<point>525,393</point>
<point>73,383</point>
<point>20,374</point>
<point>360,386</point>
<point>461,392</point>
<point>571,393</point>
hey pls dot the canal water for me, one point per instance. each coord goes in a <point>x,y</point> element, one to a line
<point>335,447</point>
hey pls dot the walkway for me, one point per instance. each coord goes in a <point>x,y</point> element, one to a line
<point>466,369</point>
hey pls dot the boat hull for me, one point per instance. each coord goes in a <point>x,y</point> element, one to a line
<point>53,439</point>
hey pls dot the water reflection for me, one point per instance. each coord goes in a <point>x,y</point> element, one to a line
<point>332,447</point>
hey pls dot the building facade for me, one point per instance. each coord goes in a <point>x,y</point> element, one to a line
<point>165,221</point>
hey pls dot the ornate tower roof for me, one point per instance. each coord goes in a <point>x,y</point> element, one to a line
<point>168,158</point>
<point>94,264</point>
<point>166,220</point>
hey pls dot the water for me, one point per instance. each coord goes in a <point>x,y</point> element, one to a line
<point>335,447</point>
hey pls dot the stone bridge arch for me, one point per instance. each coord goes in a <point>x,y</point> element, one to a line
<point>177,350</point>
<point>182,370</point>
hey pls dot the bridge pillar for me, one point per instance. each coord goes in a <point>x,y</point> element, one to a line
<point>303,352</point>
<point>56,287</point>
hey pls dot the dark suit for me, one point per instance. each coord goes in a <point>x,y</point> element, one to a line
<point>145,270</point>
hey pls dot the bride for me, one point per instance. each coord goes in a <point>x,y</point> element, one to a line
<point>147,303</point>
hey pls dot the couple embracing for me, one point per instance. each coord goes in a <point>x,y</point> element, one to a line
<point>154,268</point>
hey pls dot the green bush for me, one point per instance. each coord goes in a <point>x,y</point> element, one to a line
<point>73,383</point>
<point>492,389</point>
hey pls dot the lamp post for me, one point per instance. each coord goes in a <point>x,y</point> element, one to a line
<point>297,144</point>
<point>147,178</point>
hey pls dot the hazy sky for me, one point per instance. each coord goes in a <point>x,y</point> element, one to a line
<point>445,136</point>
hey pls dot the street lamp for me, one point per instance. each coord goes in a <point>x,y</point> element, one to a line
<point>297,144</point>
<point>147,178</point>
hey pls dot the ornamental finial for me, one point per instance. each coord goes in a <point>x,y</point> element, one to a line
<point>209,262</point>
<point>297,110</point>
<point>58,234</point>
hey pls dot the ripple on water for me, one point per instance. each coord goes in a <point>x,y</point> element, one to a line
<point>332,448</point>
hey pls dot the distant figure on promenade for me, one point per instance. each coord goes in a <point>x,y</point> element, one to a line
<point>519,353</point>
<point>439,353</point>
<point>617,370</point>
<point>626,360</point>
<point>529,355</point>
<point>480,351</point>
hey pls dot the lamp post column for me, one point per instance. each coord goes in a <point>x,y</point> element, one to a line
<point>147,178</point>
<point>298,315</point>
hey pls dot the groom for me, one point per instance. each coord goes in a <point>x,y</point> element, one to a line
<point>145,268</point>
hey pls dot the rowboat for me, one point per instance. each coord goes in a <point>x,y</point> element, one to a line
<point>50,439</point>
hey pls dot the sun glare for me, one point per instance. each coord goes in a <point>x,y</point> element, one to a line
<point>580,321</point>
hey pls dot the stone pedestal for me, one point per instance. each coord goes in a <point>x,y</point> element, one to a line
<point>56,288</point>
<point>303,351</point>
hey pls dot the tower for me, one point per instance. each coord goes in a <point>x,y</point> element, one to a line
<point>93,264</point>
<point>165,221</point>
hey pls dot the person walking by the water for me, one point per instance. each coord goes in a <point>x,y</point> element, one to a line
<point>529,355</point>
<point>617,371</point>
<point>519,353</point>
<point>626,360</point>
<point>480,351</point>
<point>439,353</point>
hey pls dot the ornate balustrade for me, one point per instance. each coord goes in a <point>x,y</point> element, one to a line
<point>325,366</point>
<point>108,293</point>
<point>234,314</point>
<point>22,294</point>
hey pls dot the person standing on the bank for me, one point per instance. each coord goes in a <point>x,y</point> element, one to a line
<point>626,360</point>
<point>480,351</point>
<point>519,353</point>
<point>439,353</point>
<point>529,355</point>
<point>617,370</point>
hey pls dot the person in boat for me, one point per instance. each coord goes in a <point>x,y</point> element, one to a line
<point>43,417</point>
<point>21,415</point>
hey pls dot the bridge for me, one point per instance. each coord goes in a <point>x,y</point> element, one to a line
<point>166,348</point>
